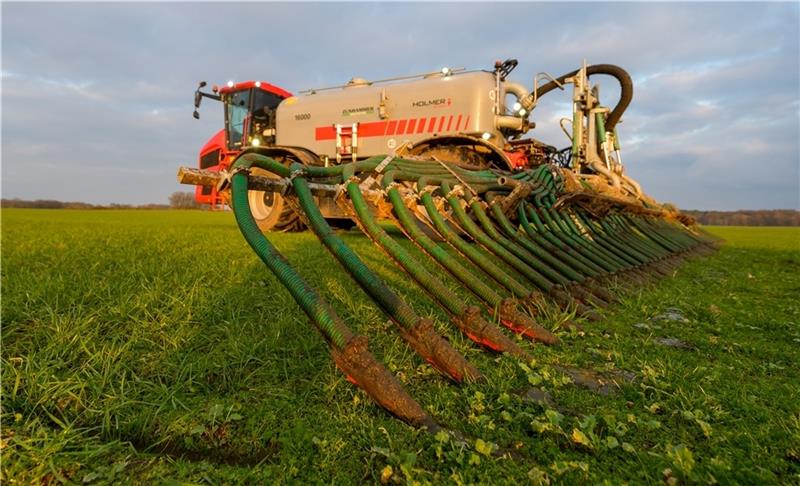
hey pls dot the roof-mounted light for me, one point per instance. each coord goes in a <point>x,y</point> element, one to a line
<point>258,84</point>
<point>446,71</point>
<point>230,84</point>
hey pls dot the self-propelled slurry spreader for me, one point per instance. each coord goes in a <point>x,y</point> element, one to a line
<point>446,156</point>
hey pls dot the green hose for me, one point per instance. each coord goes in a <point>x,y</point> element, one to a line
<point>349,351</point>
<point>417,332</point>
<point>479,259</point>
<point>492,246</point>
<point>467,318</point>
<point>314,306</point>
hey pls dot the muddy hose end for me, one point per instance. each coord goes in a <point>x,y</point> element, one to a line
<point>438,352</point>
<point>488,335</point>
<point>519,323</point>
<point>361,368</point>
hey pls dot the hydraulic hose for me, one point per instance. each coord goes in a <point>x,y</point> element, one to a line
<point>622,76</point>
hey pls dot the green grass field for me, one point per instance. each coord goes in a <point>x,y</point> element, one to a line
<point>153,347</point>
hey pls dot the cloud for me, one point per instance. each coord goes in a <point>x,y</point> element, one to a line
<point>96,98</point>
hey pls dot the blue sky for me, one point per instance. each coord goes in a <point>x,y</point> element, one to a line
<point>96,97</point>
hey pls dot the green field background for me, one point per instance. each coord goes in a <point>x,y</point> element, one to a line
<point>153,347</point>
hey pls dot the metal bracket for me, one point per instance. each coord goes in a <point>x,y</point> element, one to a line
<point>367,183</point>
<point>226,176</point>
<point>453,173</point>
<point>385,162</point>
<point>536,85</point>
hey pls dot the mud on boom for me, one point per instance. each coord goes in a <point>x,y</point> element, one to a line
<point>445,156</point>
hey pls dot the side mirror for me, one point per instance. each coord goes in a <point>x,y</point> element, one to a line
<point>197,96</point>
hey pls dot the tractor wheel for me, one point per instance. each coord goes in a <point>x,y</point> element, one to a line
<point>270,209</point>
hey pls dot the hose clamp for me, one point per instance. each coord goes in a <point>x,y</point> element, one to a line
<point>292,175</point>
<point>481,203</point>
<point>339,192</point>
<point>456,191</point>
<point>426,190</point>
<point>392,185</point>
<point>340,188</point>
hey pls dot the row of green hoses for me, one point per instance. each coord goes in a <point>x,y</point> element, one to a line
<point>617,242</point>
<point>547,185</point>
<point>416,331</point>
<point>547,182</point>
<point>430,175</point>
<point>349,350</point>
<point>505,307</point>
<point>466,317</point>
<point>483,260</point>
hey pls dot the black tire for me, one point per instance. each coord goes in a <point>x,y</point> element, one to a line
<point>270,209</point>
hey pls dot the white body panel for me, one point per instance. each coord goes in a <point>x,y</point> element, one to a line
<point>387,115</point>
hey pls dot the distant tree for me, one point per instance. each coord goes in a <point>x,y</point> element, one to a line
<point>78,205</point>
<point>52,204</point>
<point>761,217</point>
<point>183,200</point>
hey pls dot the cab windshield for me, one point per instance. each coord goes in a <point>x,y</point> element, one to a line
<point>237,109</point>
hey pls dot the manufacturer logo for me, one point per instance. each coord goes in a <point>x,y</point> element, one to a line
<point>367,110</point>
<point>435,103</point>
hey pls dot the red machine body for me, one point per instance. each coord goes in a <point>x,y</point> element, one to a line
<point>217,154</point>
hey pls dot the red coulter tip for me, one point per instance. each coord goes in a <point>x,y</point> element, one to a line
<point>472,323</point>
<point>363,370</point>
<point>438,352</point>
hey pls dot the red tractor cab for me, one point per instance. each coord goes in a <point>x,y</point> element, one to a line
<point>249,121</point>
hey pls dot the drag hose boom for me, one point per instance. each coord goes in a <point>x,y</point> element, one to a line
<point>523,234</point>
